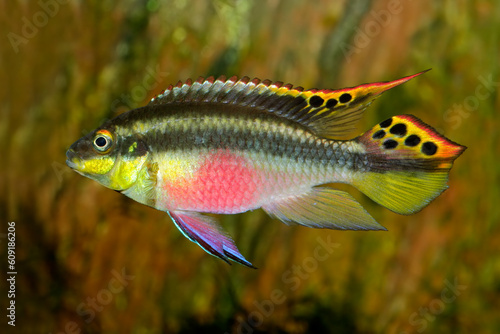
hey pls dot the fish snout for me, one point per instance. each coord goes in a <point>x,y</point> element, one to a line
<point>71,156</point>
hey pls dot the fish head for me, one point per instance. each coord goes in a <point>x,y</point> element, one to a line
<point>108,158</point>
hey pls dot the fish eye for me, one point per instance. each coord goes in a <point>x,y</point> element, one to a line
<point>103,141</point>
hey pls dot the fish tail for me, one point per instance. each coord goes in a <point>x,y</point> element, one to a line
<point>408,163</point>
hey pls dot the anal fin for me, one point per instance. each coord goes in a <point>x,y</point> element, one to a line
<point>323,207</point>
<point>203,231</point>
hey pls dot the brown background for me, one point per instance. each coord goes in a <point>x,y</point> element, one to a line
<point>66,67</point>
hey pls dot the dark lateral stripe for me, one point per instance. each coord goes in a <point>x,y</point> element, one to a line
<point>269,136</point>
<point>194,127</point>
<point>280,141</point>
<point>235,139</point>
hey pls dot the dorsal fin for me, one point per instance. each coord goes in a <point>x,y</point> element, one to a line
<point>328,113</point>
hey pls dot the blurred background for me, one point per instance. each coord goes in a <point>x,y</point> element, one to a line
<point>89,260</point>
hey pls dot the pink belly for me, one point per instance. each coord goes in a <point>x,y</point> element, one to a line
<point>226,183</point>
<point>223,183</point>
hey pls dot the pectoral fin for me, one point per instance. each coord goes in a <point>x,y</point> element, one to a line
<point>323,207</point>
<point>203,231</point>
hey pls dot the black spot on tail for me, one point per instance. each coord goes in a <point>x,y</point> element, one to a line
<point>399,129</point>
<point>429,148</point>
<point>379,134</point>
<point>386,123</point>
<point>412,140</point>
<point>390,144</point>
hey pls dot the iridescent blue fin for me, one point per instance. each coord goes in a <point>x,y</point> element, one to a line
<point>203,231</point>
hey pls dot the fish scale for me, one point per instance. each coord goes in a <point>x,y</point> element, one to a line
<point>232,145</point>
<point>276,152</point>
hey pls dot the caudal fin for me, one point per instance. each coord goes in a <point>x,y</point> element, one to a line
<point>409,163</point>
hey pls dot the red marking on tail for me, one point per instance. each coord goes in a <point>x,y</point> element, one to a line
<point>447,147</point>
<point>409,140</point>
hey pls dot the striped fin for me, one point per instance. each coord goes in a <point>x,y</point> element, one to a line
<point>328,113</point>
<point>323,207</point>
<point>409,163</point>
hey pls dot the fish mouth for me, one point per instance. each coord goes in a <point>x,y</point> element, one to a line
<point>71,155</point>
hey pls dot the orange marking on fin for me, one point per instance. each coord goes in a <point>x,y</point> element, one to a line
<point>418,140</point>
<point>374,88</point>
<point>445,147</point>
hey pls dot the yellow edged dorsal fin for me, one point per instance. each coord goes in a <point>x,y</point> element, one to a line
<point>327,113</point>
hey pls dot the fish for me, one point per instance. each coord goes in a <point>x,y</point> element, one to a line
<point>227,146</point>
